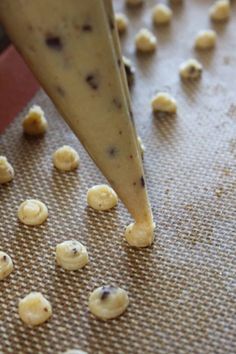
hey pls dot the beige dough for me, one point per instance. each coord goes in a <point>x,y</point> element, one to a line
<point>161,14</point>
<point>140,235</point>
<point>34,309</point>
<point>65,158</point>
<point>190,70</point>
<point>141,147</point>
<point>6,265</point>
<point>129,70</point>
<point>32,212</point>
<point>163,102</point>
<point>35,122</point>
<point>145,41</point>
<point>6,170</point>
<point>107,302</point>
<point>220,10</point>
<point>71,255</point>
<point>205,39</point>
<point>121,22</point>
<point>102,197</point>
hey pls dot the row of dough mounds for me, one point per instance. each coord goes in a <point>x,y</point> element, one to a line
<point>105,302</point>
<point>146,41</point>
<point>100,197</point>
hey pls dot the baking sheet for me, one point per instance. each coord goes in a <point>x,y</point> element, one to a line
<point>183,288</point>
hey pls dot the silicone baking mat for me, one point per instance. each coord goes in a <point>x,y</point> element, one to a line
<point>182,289</point>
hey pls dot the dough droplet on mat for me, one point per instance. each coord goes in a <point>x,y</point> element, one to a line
<point>161,14</point>
<point>32,212</point>
<point>107,302</point>
<point>121,22</point>
<point>220,10</point>
<point>102,197</point>
<point>66,158</point>
<point>163,102</point>
<point>140,235</point>
<point>205,39</point>
<point>145,41</point>
<point>6,170</point>
<point>35,122</point>
<point>34,309</point>
<point>191,69</point>
<point>71,255</point>
<point>6,265</point>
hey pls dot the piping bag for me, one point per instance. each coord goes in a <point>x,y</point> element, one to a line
<point>72,48</point>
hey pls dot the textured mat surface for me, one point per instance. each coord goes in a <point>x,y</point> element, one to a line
<point>182,289</point>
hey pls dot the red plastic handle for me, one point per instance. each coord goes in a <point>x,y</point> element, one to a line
<point>17,85</point>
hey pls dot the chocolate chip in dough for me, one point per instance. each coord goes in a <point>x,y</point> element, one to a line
<point>92,80</point>
<point>117,103</point>
<point>111,24</point>
<point>54,42</point>
<point>87,27</point>
<point>112,151</point>
<point>142,181</point>
<point>60,90</point>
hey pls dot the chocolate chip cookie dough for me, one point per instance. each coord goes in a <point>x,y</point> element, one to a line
<point>6,170</point>
<point>65,158</point>
<point>71,255</point>
<point>34,309</point>
<point>35,122</point>
<point>102,197</point>
<point>32,212</point>
<point>6,265</point>
<point>107,302</point>
<point>89,92</point>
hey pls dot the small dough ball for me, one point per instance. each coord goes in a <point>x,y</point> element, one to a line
<point>134,2</point>
<point>34,309</point>
<point>145,41</point>
<point>6,170</point>
<point>32,212</point>
<point>129,70</point>
<point>65,158</point>
<point>220,10</point>
<point>205,39</point>
<point>161,14</point>
<point>141,146</point>
<point>140,235</point>
<point>6,265</point>
<point>102,197</point>
<point>190,69</point>
<point>107,302</point>
<point>121,22</point>
<point>163,102</point>
<point>35,122</point>
<point>71,255</point>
